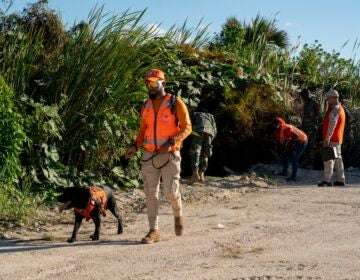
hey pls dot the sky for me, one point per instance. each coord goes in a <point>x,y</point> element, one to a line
<point>331,22</point>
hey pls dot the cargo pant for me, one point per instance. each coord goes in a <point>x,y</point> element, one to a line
<point>200,151</point>
<point>337,163</point>
<point>170,174</point>
<point>310,130</point>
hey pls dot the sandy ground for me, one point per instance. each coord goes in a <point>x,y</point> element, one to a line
<point>293,231</point>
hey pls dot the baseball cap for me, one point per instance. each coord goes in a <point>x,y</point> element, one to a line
<point>332,93</point>
<point>154,75</point>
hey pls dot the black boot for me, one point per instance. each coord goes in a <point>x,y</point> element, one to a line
<point>339,184</point>
<point>324,184</point>
<point>282,173</point>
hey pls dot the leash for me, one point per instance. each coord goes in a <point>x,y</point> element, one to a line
<point>155,155</point>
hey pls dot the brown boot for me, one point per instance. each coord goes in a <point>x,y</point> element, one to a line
<point>179,225</point>
<point>152,237</point>
<point>194,178</point>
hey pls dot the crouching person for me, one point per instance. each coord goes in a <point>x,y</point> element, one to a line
<point>293,142</point>
<point>165,123</point>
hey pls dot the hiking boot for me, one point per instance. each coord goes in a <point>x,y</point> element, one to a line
<point>339,184</point>
<point>152,237</point>
<point>282,173</point>
<point>324,184</point>
<point>291,179</point>
<point>179,225</point>
<point>194,178</point>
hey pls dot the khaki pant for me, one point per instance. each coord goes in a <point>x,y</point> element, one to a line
<point>170,175</point>
<point>337,163</point>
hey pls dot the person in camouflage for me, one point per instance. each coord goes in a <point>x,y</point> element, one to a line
<point>204,126</point>
<point>310,125</point>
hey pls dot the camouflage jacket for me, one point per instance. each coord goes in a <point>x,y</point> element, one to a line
<point>311,113</point>
<point>203,122</point>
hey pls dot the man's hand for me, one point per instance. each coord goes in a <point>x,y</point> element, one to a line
<point>131,151</point>
<point>326,142</point>
<point>166,148</point>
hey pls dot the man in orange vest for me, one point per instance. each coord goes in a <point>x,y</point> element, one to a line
<point>293,142</point>
<point>333,133</point>
<point>165,123</point>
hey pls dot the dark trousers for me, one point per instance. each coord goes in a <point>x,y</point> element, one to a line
<point>293,155</point>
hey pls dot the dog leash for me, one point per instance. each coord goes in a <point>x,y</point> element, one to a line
<point>155,155</point>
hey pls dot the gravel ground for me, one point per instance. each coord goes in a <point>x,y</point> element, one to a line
<point>239,227</point>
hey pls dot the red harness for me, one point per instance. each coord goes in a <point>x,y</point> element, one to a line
<point>96,193</point>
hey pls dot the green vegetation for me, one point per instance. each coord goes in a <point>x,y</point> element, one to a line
<point>70,99</point>
<point>17,204</point>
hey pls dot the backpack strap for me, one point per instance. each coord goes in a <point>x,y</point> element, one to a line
<point>173,103</point>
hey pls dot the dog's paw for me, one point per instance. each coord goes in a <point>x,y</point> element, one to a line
<point>70,240</point>
<point>94,237</point>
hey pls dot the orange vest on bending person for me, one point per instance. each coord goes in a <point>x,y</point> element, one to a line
<point>338,133</point>
<point>161,125</point>
<point>281,134</point>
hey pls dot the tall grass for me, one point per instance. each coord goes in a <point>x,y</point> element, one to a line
<point>17,205</point>
<point>100,71</point>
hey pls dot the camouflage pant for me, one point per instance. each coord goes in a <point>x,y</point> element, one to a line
<point>200,151</point>
<point>309,155</point>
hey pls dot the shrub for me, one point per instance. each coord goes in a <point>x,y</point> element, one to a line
<point>12,135</point>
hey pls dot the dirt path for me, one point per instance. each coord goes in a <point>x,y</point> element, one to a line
<point>287,232</point>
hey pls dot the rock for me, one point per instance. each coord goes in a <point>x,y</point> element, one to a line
<point>260,184</point>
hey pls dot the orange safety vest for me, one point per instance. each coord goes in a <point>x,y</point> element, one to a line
<point>160,126</point>
<point>302,137</point>
<point>96,193</point>
<point>338,134</point>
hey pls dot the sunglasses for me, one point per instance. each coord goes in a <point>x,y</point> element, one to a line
<point>154,84</point>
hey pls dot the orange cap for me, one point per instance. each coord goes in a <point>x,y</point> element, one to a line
<point>154,75</point>
<point>280,120</point>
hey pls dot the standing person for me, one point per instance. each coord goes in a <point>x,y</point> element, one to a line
<point>293,142</point>
<point>333,134</point>
<point>165,123</point>
<point>310,125</point>
<point>203,123</point>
